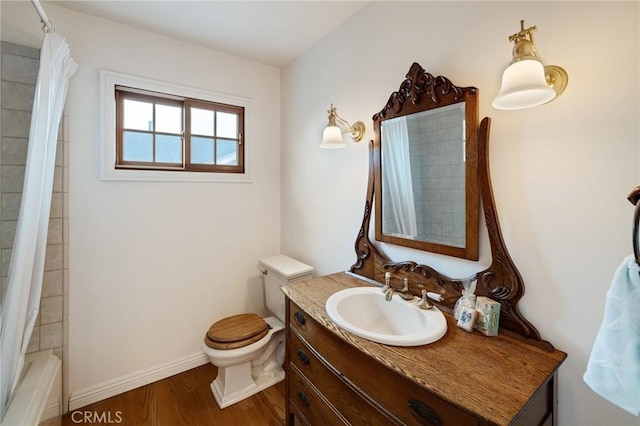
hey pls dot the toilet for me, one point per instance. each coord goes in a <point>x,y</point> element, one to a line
<point>247,349</point>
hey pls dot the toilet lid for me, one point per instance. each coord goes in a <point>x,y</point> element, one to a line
<point>236,331</point>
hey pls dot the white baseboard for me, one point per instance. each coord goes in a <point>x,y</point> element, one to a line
<point>51,410</point>
<point>126,383</point>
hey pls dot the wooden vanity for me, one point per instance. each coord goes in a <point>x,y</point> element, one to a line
<point>334,377</point>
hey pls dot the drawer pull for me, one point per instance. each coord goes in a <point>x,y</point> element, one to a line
<point>423,412</point>
<point>303,357</point>
<point>299,318</point>
<point>303,398</point>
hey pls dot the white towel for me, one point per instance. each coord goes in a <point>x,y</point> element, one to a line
<point>613,370</point>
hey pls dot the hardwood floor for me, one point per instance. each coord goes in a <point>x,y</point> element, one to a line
<point>183,399</point>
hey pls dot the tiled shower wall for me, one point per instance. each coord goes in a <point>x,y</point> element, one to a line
<point>19,71</point>
<point>438,169</point>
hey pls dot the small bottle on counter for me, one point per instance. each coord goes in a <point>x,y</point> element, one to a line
<point>468,297</point>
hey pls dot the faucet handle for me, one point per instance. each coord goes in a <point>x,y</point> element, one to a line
<point>387,282</point>
<point>424,302</point>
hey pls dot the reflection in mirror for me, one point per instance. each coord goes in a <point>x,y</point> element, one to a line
<point>423,176</point>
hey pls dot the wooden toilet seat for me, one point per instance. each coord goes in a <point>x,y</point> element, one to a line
<point>236,331</point>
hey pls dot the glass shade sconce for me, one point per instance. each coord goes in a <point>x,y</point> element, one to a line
<point>332,135</point>
<point>527,82</point>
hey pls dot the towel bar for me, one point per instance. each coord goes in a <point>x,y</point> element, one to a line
<point>633,198</point>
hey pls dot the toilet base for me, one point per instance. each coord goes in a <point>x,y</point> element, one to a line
<point>226,394</point>
<point>245,371</point>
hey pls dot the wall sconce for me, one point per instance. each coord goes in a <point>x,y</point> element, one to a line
<point>332,135</point>
<point>527,82</point>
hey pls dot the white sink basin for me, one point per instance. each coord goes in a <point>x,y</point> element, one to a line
<point>364,312</point>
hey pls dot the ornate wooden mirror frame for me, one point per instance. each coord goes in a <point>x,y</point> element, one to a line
<point>501,281</point>
<point>427,146</point>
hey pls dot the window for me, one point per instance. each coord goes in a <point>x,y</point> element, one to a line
<point>160,143</point>
<point>166,132</point>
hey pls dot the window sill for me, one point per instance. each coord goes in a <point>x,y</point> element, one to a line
<point>172,176</point>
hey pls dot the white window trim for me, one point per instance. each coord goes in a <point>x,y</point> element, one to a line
<point>108,172</point>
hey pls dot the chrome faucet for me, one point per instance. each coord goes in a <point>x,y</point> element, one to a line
<point>390,291</point>
<point>404,293</point>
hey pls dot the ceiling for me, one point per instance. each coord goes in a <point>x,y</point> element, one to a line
<point>270,32</point>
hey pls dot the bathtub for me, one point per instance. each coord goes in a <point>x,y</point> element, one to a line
<point>38,399</point>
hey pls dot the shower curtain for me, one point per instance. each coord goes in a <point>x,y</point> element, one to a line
<point>22,298</point>
<point>399,211</point>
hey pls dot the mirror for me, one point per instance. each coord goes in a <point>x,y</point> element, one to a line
<point>427,163</point>
<point>423,169</point>
<point>423,98</point>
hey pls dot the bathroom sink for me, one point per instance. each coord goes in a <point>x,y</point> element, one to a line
<point>364,312</point>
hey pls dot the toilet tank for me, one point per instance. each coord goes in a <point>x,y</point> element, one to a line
<point>278,271</point>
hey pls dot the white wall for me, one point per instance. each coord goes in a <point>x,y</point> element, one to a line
<point>561,172</point>
<point>152,265</point>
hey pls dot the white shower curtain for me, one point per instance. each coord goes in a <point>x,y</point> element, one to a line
<point>22,299</point>
<point>399,211</point>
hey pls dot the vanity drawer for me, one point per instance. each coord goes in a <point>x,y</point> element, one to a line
<point>351,405</point>
<point>298,418</point>
<point>404,399</point>
<point>303,396</point>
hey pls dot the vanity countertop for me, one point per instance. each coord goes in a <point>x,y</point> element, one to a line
<point>493,377</point>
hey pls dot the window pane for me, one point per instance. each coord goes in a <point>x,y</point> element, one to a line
<point>168,149</point>
<point>168,119</point>
<point>201,150</point>
<point>227,154</point>
<point>137,147</point>
<point>138,115</point>
<point>227,125</point>
<point>202,122</point>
